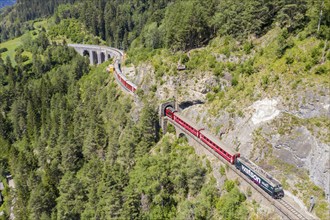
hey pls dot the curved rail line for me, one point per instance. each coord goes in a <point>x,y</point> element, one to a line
<point>117,55</point>
<point>126,84</point>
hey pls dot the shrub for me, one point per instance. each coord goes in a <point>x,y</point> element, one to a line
<point>4,49</point>
<point>321,70</point>
<point>264,80</point>
<point>222,170</point>
<point>184,59</point>
<point>249,192</point>
<point>210,96</point>
<point>25,58</point>
<point>234,82</point>
<point>289,60</point>
<point>229,185</point>
<point>153,88</point>
<point>247,47</point>
<point>218,71</point>
<point>170,129</point>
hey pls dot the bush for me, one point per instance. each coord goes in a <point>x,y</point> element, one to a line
<point>4,49</point>
<point>153,88</point>
<point>231,205</point>
<point>247,47</point>
<point>222,170</point>
<point>218,71</point>
<point>210,96</point>
<point>25,58</point>
<point>289,60</point>
<point>321,70</point>
<point>229,185</point>
<point>139,92</point>
<point>249,192</point>
<point>265,81</point>
<point>184,59</point>
<point>170,129</point>
<point>234,82</point>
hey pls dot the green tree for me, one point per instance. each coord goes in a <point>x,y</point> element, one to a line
<point>186,25</point>
<point>231,206</point>
<point>70,203</point>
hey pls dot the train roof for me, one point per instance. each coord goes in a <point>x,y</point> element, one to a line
<point>225,146</point>
<point>192,124</point>
<point>130,83</point>
<point>266,176</point>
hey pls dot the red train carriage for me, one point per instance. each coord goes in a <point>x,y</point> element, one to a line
<point>123,80</point>
<point>218,146</point>
<point>130,86</point>
<point>169,112</point>
<point>188,125</point>
<point>183,121</point>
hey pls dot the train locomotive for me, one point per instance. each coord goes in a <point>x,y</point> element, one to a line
<point>260,177</point>
<point>248,168</point>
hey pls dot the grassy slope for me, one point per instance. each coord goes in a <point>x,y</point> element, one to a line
<point>74,28</point>
<point>11,45</point>
<point>15,43</point>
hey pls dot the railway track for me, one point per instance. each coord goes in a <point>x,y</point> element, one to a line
<point>291,209</point>
<point>283,207</point>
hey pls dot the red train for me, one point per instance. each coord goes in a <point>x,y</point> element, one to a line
<point>209,139</point>
<point>128,85</point>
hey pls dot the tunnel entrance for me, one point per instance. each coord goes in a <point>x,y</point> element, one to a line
<point>168,106</point>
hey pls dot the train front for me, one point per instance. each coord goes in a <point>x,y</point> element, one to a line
<point>278,192</point>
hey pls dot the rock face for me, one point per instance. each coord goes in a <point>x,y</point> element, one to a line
<point>265,110</point>
<point>185,86</point>
<point>305,151</point>
<point>300,147</point>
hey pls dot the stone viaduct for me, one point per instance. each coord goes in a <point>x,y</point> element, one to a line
<point>97,54</point>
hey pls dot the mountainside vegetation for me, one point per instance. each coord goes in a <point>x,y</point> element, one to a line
<point>68,137</point>
<point>79,148</point>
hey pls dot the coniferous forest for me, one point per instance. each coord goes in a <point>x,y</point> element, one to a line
<point>74,143</point>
